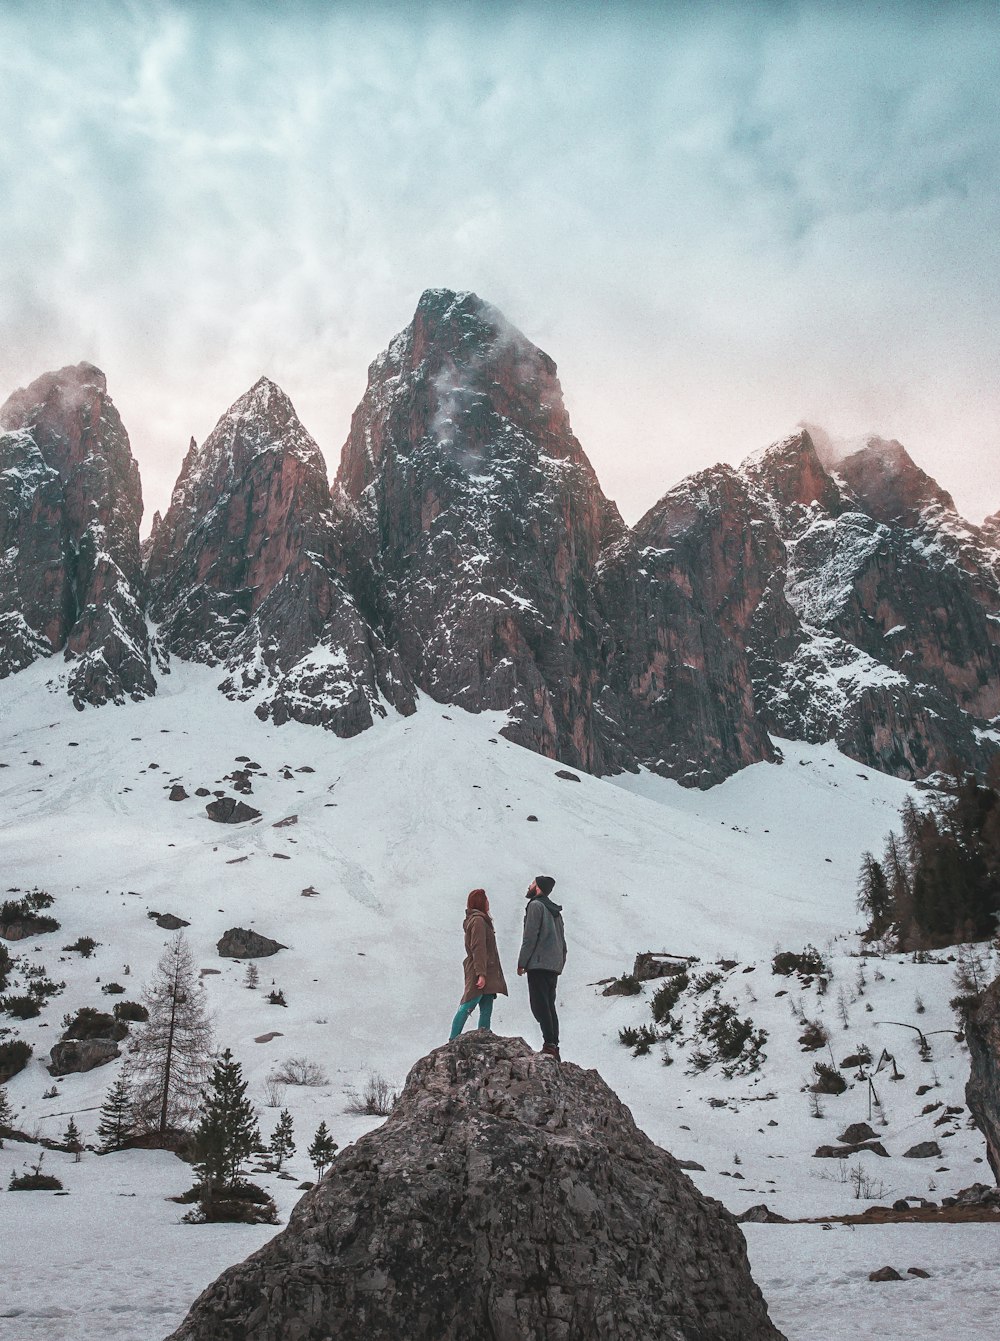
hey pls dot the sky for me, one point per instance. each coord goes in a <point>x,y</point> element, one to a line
<point>721,220</point>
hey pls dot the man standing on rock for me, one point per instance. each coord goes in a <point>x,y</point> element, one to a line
<point>543,957</point>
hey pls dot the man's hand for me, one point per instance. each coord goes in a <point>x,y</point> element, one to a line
<point>480,982</point>
<point>520,972</point>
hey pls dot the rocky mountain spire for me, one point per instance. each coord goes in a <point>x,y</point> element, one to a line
<point>242,569</point>
<point>484,520</point>
<point>70,508</point>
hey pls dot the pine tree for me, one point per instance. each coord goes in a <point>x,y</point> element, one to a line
<point>252,976</point>
<point>322,1150</point>
<point>6,1113</point>
<point>174,1046</point>
<point>71,1140</point>
<point>227,1133</point>
<point>874,898</point>
<point>282,1144</point>
<point>117,1122</point>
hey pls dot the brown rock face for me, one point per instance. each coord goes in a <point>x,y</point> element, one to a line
<point>679,596</point>
<point>982,1091</point>
<point>70,507</point>
<point>506,1197</point>
<point>485,521</point>
<point>243,570</point>
<point>877,633</point>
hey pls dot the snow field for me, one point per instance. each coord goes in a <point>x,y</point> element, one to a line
<point>392,829</point>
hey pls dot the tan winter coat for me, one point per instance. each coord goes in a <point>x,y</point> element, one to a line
<point>481,958</point>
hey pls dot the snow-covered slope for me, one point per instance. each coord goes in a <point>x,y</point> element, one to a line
<point>388,832</point>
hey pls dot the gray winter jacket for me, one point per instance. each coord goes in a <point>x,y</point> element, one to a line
<point>544,943</point>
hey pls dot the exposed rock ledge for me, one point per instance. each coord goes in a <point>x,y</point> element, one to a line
<point>982,1093</point>
<point>507,1198</point>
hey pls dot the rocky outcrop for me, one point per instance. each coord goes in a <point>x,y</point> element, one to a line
<point>70,507</point>
<point>982,1090</point>
<point>505,1197</point>
<point>243,571</point>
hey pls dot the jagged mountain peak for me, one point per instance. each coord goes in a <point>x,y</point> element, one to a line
<point>70,508</point>
<point>791,472</point>
<point>61,390</point>
<point>889,482</point>
<point>463,386</point>
<point>261,422</point>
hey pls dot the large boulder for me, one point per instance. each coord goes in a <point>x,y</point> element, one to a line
<point>227,810</point>
<point>982,1092</point>
<point>239,943</point>
<point>81,1054</point>
<point>506,1197</point>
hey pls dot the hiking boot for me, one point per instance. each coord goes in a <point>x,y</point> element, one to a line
<point>550,1050</point>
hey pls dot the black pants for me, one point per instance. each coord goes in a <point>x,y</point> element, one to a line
<point>542,996</point>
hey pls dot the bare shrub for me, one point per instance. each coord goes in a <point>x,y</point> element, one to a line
<point>864,1184</point>
<point>377,1099</point>
<point>274,1093</point>
<point>299,1071</point>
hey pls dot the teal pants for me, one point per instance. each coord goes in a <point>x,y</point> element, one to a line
<point>485,1004</point>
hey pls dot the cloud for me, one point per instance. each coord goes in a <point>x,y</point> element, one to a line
<point>717,222</point>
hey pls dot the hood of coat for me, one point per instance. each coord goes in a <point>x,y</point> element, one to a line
<point>554,908</point>
<point>471,914</point>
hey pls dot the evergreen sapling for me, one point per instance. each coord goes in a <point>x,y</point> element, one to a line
<point>322,1150</point>
<point>227,1133</point>
<point>117,1123</point>
<point>282,1144</point>
<point>71,1140</point>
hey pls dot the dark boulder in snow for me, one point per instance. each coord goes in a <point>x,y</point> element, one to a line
<point>650,964</point>
<point>884,1273</point>
<point>239,943</point>
<point>856,1133</point>
<point>923,1150</point>
<point>71,1055</point>
<point>227,810</point>
<point>854,1148</point>
<point>505,1197</point>
<point>761,1215</point>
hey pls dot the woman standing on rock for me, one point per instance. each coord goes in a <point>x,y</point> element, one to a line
<point>484,979</point>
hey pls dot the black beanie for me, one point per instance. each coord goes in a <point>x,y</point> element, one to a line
<point>545,883</point>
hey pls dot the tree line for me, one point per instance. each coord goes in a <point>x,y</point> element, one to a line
<point>937,882</point>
